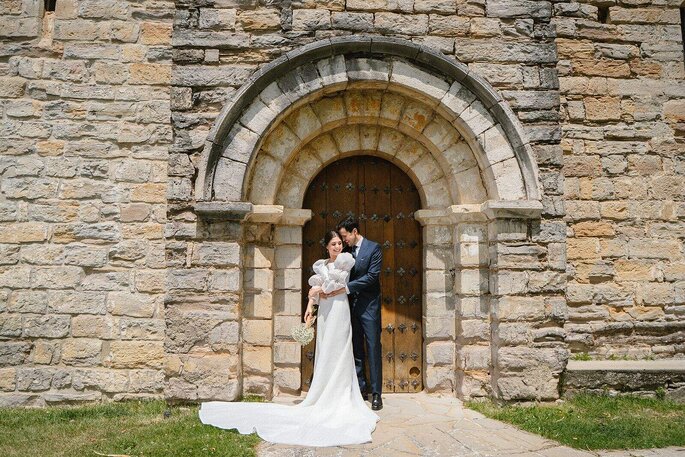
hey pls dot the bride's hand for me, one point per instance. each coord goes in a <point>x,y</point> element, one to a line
<point>336,292</point>
<point>308,314</point>
<point>314,291</point>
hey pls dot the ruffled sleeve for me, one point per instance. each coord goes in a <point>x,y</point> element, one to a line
<point>344,261</point>
<point>315,280</point>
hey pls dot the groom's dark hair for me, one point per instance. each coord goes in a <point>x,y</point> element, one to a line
<point>349,225</point>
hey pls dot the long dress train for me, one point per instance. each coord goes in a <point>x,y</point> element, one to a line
<point>333,413</point>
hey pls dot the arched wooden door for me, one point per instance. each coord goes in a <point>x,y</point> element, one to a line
<point>383,198</point>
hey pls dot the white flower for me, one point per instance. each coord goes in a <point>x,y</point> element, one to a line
<point>303,334</point>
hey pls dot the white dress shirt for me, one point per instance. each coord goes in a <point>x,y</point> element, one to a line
<point>357,248</point>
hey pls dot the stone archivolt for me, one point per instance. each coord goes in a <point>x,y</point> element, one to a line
<point>473,138</point>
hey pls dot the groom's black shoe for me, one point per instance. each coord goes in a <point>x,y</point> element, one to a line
<point>376,403</point>
<point>365,396</point>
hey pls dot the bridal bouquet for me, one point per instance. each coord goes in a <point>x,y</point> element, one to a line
<point>304,333</point>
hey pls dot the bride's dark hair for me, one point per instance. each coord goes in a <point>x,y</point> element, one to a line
<point>327,239</point>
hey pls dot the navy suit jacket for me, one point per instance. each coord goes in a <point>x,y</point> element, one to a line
<point>365,284</point>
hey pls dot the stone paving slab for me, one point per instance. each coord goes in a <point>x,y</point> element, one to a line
<point>435,426</point>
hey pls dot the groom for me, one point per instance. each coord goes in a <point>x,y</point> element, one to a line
<point>364,291</point>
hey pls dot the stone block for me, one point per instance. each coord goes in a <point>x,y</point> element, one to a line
<point>155,33</point>
<point>257,360</point>
<point>149,329</point>
<point>10,325</point>
<point>81,352</point>
<point>150,281</point>
<point>415,79</point>
<point>14,353</point>
<point>257,385</point>
<point>218,254</point>
<point>217,19</point>
<point>287,379</point>
<point>283,325</point>
<point>470,307</point>
<point>85,256</point>
<point>519,308</point>
<point>288,257</point>
<point>258,332</point>
<point>28,301</point>
<point>440,327</point>
<point>287,353</point>
<point>358,22</point>
<point>311,19</point>
<point>391,23</point>
<point>73,302</point>
<point>8,378</point>
<point>363,72</point>
<point>146,380</point>
<point>440,353</point>
<point>471,281</point>
<point>262,19</point>
<point>90,326</point>
<point>109,381</point>
<point>55,326</point>
<point>135,354</point>
<point>474,357</point>
<point>34,379</point>
<point>130,304</point>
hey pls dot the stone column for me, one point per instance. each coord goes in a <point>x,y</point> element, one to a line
<point>528,307</point>
<point>438,311</point>
<point>273,291</point>
<point>257,316</point>
<point>473,336</point>
<point>288,299</point>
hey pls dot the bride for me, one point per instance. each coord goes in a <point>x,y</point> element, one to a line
<point>334,412</point>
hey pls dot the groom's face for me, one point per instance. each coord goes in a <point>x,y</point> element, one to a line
<point>349,237</point>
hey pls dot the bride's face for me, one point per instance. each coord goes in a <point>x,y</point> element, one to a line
<point>334,247</point>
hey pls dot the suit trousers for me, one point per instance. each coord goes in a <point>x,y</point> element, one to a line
<point>366,328</point>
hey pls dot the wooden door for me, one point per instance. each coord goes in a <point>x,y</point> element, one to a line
<point>383,199</point>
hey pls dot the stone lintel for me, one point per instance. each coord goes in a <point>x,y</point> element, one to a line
<point>292,216</point>
<point>433,217</point>
<point>450,215</point>
<point>268,214</point>
<point>246,211</point>
<point>515,209</point>
<point>232,211</point>
<point>491,209</point>
<point>279,215</point>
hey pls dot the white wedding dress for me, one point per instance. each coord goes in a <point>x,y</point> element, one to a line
<point>333,413</point>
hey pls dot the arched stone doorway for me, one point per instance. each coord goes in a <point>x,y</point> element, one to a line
<point>384,199</point>
<point>462,146</point>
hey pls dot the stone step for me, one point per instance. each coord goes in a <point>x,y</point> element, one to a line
<point>616,377</point>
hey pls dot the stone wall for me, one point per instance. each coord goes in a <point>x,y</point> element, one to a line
<point>112,286</point>
<point>84,138</point>
<point>623,109</point>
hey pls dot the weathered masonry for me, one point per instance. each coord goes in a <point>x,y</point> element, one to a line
<point>160,163</point>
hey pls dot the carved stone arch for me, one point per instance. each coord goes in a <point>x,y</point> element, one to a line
<point>331,65</point>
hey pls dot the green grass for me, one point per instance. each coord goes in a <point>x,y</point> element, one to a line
<point>598,422</point>
<point>581,356</point>
<point>128,428</point>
